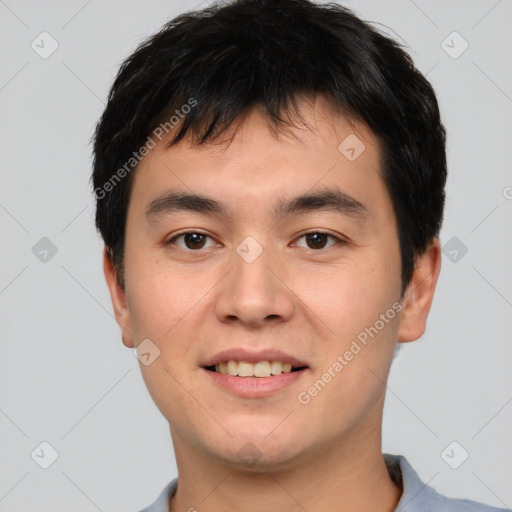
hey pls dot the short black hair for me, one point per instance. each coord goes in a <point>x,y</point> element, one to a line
<point>221,61</point>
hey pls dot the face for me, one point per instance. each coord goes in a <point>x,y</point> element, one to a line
<point>257,275</point>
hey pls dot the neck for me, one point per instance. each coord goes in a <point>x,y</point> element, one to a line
<point>348,475</point>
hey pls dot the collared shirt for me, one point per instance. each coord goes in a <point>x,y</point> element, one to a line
<point>416,496</point>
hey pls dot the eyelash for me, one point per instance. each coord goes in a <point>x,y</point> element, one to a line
<point>339,241</point>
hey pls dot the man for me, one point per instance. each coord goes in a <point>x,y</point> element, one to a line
<point>270,183</point>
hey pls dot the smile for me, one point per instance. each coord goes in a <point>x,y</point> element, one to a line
<point>260,369</point>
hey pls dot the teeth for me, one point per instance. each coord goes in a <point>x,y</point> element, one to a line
<point>232,367</point>
<point>260,369</point>
<point>245,369</point>
<point>276,367</point>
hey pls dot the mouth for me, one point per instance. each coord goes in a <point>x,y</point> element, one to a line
<point>260,369</point>
<point>254,374</point>
<point>261,378</point>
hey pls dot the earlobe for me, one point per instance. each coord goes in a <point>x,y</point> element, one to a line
<point>420,293</point>
<point>118,297</point>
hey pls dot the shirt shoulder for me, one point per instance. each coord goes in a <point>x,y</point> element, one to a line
<point>161,504</point>
<point>420,497</point>
<point>455,505</point>
<point>441,503</point>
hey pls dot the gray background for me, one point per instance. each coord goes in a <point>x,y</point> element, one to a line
<point>66,378</point>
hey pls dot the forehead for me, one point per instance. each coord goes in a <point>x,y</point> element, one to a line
<point>251,166</point>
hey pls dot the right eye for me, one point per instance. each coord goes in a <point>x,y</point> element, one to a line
<point>192,240</point>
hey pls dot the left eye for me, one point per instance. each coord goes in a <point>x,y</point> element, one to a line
<point>319,239</point>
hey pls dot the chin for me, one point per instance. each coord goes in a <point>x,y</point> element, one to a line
<point>259,453</point>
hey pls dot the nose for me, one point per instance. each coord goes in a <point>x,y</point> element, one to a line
<point>256,293</point>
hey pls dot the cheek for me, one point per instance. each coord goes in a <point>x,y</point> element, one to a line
<point>169,309</point>
<point>358,304</point>
<point>158,295</point>
<point>348,297</point>
<point>162,309</point>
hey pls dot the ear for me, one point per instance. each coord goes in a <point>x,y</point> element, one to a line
<point>118,296</point>
<point>420,293</point>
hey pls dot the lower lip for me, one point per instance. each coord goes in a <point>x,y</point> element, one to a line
<point>255,387</point>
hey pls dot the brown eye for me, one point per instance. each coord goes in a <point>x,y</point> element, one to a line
<point>192,240</point>
<point>318,240</point>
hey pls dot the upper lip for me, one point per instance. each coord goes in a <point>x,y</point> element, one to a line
<point>251,356</point>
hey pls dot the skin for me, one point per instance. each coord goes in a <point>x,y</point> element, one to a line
<point>308,302</point>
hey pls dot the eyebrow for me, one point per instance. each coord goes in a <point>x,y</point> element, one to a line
<point>328,199</point>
